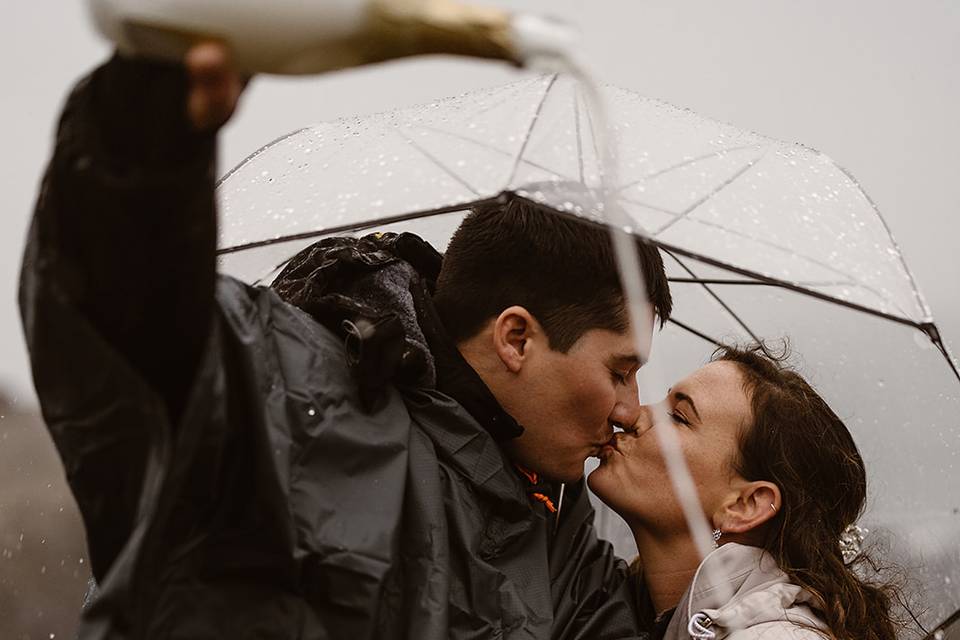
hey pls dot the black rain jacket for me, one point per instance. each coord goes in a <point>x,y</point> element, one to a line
<point>243,468</point>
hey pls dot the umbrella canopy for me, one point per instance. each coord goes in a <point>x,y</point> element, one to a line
<point>761,239</point>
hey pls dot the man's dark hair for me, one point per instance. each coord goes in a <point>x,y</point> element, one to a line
<point>564,271</point>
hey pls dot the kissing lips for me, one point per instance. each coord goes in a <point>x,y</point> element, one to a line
<point>608,448</point>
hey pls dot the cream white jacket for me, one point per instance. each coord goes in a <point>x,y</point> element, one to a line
<point>739,593</point>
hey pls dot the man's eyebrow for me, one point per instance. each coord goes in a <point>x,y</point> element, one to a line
<point>631,359</point>
<point>681,396</point>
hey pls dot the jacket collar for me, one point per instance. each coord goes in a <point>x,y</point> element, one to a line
<point>457,379</point>
<point>737,587</point>
<point>470,449</point>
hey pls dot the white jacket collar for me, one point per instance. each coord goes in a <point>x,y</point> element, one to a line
<point>737,587</point>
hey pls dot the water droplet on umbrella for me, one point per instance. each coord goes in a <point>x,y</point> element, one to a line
<point>311,412</point>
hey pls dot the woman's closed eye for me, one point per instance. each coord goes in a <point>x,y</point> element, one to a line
<point>676,416</point>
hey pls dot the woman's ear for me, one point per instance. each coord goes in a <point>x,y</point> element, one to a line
<point>752,505</point>
<point>512,330</point>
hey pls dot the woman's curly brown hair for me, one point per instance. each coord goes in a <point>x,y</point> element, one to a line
<point>797,442</point>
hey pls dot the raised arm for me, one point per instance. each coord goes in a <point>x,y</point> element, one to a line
<point>125,226</point>
<point>118,276</point>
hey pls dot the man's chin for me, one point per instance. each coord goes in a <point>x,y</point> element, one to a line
<point>564,475</point>
<point>572,475</point>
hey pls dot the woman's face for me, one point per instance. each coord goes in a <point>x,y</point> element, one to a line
<point>707,412</point>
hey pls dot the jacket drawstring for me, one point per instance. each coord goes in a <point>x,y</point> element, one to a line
<point>699,627</point>
<point>536,495</point>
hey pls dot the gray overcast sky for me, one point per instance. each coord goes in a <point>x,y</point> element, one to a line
<point>873,83</point>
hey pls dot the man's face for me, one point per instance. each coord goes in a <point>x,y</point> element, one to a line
<point>568,403</point>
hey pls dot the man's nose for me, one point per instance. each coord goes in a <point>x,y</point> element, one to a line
<point>627,410</point>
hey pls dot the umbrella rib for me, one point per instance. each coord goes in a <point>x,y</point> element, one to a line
<point>784,284</point>
<point>514,90</point>
<point>928,328</point>
<point>951,620</point>
<point>301,130</point>
<point>660,172</point>
<point>355,226</point>
<point>533,122</point>
<point>731,281</point>
<point>490,147</point>
<point>652,207</point>
<point>686,213</point>
<point>273,270</point>
<point>596,149</point>
<point>576,121</point>
<point>778,247</point>
<point>253,155</point>
<point>429,156</point>
<point>713,262</point>
<point>933,333</point>
<point>699,334</point>
<point>736,318</point>
<point>693,207</point>
<point>916,290</point>
<point>823,265</point>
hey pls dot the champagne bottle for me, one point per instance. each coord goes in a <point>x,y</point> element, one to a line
<point>314,36</point>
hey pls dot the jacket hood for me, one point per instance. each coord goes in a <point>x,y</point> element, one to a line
<point>737,587</point>
<point>376,294</point>
<point>368,291</point>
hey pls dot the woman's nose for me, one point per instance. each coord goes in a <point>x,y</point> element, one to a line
<point>644,420</point>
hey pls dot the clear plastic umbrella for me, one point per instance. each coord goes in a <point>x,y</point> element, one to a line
<point>761,238</point>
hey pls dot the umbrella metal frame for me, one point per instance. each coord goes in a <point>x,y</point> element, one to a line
<point>753,278</point>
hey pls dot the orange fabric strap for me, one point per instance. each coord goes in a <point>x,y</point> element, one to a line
<point>542,497</point>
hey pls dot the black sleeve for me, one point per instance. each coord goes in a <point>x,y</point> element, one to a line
<point>126,219</point>
<point>116,289</point>
<point>129,199</point>
<point>126,225</point>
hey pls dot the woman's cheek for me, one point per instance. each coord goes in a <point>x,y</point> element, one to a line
<point>640,467</point>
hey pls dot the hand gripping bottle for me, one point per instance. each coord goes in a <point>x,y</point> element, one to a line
<point>313,36</point>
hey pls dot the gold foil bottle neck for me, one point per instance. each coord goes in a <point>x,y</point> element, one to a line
<point>409,27</point>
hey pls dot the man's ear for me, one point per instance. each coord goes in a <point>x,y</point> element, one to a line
<point>512,331</point>
<point>749,507</point>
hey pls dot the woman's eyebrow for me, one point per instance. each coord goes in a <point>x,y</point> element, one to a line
<point>682,397</point>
